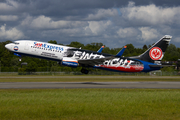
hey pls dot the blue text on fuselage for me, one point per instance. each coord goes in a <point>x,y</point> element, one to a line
<point>36,44</point>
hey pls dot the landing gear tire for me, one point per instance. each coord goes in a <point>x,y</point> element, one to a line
<point>84,71</point>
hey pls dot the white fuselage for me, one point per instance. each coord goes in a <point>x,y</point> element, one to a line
<point>69,56</point>
<point>38,49</point>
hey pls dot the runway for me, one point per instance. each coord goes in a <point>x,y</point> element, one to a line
<point>72,85</point>
<point>90,77</point>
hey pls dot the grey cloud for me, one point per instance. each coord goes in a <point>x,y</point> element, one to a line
<point>112,22</point>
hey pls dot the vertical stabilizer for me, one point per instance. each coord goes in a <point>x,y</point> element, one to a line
<point>156,52</point>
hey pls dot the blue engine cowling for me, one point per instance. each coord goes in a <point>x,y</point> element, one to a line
<point>17,54</point>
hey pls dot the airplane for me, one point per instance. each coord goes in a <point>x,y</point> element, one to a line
<point>150,60</point>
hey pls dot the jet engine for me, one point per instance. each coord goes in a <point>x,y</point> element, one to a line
<point>70,62</point>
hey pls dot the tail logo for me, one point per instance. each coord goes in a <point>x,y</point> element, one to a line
<point>155,53</point>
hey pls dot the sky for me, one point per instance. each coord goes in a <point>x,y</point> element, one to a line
<point>114,23</point>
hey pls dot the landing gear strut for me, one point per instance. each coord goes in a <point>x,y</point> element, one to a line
<point>85,71</point>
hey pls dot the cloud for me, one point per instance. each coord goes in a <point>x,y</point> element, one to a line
<point>127,32</point>
<point>150,14</point>
<point>8,17</point>
<point>9,5</point>
<point>102,14</point>
<point>177,39</point>
<point>149,33</point>
<point>110,22</point>
<point>43,22</point>
<point>11,34</point>
<point>97,27</point>
<point>12,7</point>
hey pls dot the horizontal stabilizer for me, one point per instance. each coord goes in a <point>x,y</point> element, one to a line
<point>154,66</point>
<point>121,52</point>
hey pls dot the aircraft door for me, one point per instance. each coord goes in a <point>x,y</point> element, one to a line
<point>34,49</point>
<point>26,47</point>
<point>137,65</point>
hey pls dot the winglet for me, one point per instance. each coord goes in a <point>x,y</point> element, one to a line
<point>121,52</point>
<point>100,50</point>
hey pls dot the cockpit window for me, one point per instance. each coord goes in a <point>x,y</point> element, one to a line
<point>16,43</point>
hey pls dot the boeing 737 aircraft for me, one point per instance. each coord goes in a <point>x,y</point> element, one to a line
<point>73,57</point>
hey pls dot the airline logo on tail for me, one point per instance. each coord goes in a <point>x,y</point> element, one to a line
<point>156,53</point>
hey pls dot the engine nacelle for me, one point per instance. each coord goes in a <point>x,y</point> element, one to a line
<point>70,62</point>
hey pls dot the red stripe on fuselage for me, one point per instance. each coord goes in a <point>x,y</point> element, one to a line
<point>131,68</point>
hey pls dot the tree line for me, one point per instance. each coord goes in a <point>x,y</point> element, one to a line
<point>10,63</point>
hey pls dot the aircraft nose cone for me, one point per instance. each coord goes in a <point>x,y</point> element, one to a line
<point>8,46</point>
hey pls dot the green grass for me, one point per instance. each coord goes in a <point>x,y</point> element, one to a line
<point>84,104</point>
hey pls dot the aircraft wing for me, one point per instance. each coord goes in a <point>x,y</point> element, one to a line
<point>93,62</point>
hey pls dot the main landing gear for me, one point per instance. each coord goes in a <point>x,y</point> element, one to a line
<point>84,71</point>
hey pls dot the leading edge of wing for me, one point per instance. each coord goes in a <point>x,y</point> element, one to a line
<point>93,62</point>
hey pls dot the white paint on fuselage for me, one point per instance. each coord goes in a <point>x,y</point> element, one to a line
<point>61,53</point>
<point>39,49</point>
